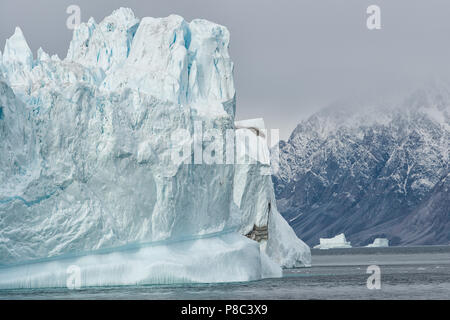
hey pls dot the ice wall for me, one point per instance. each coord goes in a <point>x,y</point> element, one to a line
<point>87,160</point>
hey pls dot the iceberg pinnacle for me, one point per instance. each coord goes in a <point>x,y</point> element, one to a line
<point>17,50</point>
<point>87,171</point>
<point>42,55</point>
<point>105,45</point>
<point>17,58</point>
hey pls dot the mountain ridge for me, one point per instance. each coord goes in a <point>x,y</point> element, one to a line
<point>355,168</point>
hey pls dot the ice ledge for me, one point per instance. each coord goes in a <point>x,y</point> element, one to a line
<point>194,261</point>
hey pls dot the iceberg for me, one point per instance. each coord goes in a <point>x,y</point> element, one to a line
<point>99,170</point>
<point>337,241</point>
<point>379,243</point>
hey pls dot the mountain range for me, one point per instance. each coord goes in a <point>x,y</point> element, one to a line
<point>370,169</point>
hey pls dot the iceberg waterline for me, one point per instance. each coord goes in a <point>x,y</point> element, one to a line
<point>202,260</point>
<point>86,175</point>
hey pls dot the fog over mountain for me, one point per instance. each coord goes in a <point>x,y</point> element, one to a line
<point>370,169</point>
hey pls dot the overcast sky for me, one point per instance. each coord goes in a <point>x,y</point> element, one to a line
<point>292,57</point>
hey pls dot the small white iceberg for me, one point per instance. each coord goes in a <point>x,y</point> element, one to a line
<point>338,241</point>
<point>379,243</point>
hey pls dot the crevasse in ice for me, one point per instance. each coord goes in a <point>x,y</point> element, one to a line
<point>87,173</point>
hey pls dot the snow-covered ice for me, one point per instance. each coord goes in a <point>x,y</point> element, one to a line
<point>338,241</point>
<point>87,175</point>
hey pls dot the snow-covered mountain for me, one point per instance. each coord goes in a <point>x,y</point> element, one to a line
<point>88,175</point>
<point>370,170</point>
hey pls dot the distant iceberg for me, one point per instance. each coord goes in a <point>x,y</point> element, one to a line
<point>379,243</point>
<point>91,175</point>
<point>338,241</point>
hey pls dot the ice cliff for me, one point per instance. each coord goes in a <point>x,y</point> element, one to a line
<point>91,175</point>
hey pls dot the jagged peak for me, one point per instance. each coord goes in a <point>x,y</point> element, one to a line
<point>17,49</point>
<point>194,54</point>
<point>121,19</point>
<point>122,14</point>
<point>170,58</point>
<point>18,33</point>
<point>42,55</point>
<point>55,58</point>
<point>106,44</point>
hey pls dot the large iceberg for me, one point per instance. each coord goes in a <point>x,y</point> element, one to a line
<point>338,241</point>
<point>100,168</point>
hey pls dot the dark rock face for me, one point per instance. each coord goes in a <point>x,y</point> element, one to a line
<point>370,172</point>
<point>429,223</point>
